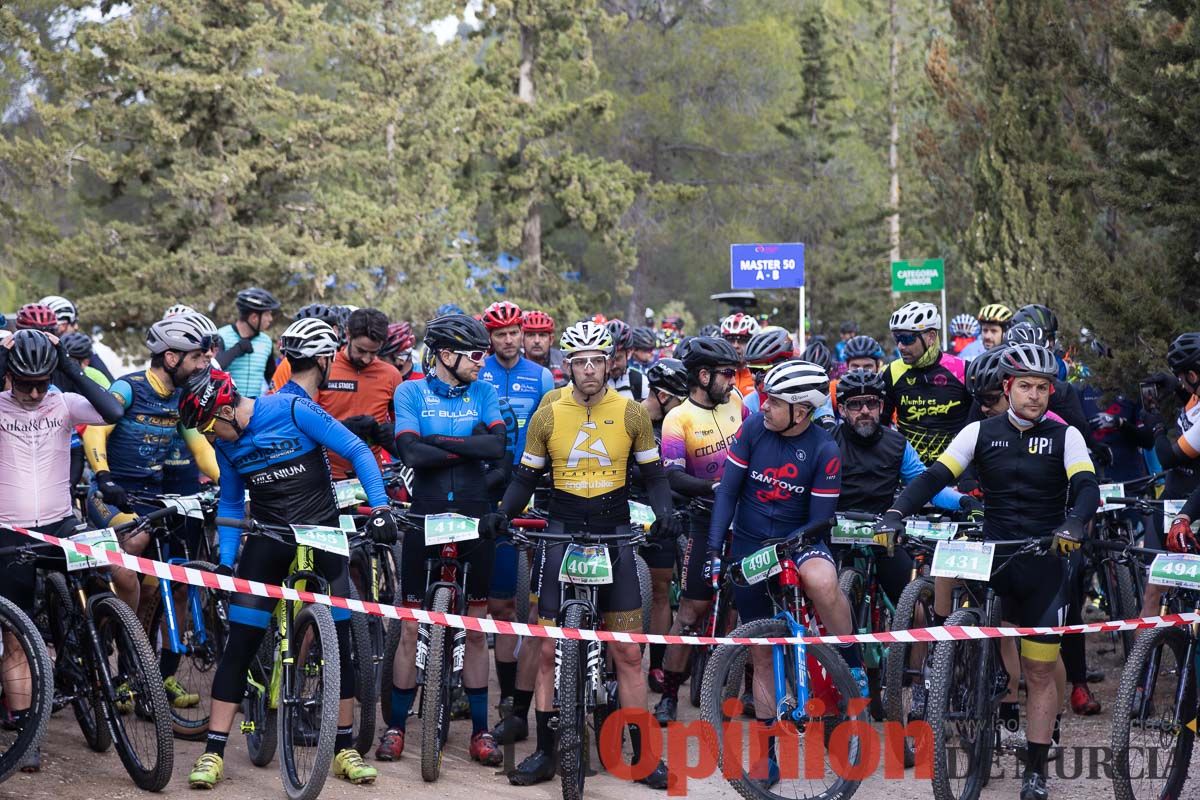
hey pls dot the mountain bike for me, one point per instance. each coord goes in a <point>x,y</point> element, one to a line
<point>26,683</point>
<point>871,610</point>
<point>721,617</point>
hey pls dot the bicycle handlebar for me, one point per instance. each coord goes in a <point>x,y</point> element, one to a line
<point>145,519</point>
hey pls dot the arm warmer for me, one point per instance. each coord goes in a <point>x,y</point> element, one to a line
<point>488,446</point>
<point>516,497</point>
<point>689,485</point>
<point>923,488</point>
<point>105,403</point>
<point>227,357</point>
<point>658,488</point>
<point>419,455</point>
<point>1084,496</point>
<point>1168,452</point>
<point>318,425</point>
<point>1192,507</point>
<point>948,499</point>
<point>726,504</point>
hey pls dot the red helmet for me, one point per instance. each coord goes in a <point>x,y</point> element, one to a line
<point>599,319</point>
<point>37,317</point>
<point>400,339</point>
<point>502,314</point>
<point>537,322</point>
<point>673,322</point>
<point>205,392</point>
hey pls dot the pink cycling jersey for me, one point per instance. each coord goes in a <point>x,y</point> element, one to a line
<point>35,457</point>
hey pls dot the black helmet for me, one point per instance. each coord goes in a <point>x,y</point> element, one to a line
<point>818,353</point>
<point>849,326</point>
<point>859,382</point>
<point>668,375</point>
<point>710,330</point>
<point>768,346</point>
<point>983,371</point>
<point>642,339</point>
<point>1025,332</point>
<point>704,352</point>
<point>862,347</point>
<point>33,355</point>
<point>254,300</point>
<point>622,334</point>
<point>456,332</point>
<point>1039,317</point>
<point>1184,353</point>
<point>327,314</point>
<point>77,345</point>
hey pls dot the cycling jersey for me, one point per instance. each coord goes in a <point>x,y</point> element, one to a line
<point>1189,439</point>
<point>351,392</point>
<point>696,439</point>
<point>974,349</point>
<point>932,404</point>
<point>744,381</point>
<point>632,385</point>
<point>873,467</point>
<point>1183,479</point>
<point>251,371</point>
<point>280,458</point>
<point>523,385</point>
<point>775,484</point>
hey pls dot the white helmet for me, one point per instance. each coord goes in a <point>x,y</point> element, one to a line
<point>797,382</point>
<point>178,308</point>
<point>202,322</point>
<point>739,324</point>
<point>180,333</point>
<point>916,317</point>
<point>1028,360</point>
<point>586,335</point>
<point>308,338</point>
<point>63,308</point>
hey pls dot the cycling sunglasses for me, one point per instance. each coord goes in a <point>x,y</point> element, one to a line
<point>733,338</point>
<point>727,373</point>
<point>860,403</point>
<point>595,362</point>
<point>905,337</point>
<point>25,386</point>
<point>474,356</point>
<point>989,399</point>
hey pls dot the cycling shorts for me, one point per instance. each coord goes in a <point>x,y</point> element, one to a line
<point>18,581</point>
<point>478,556</point>
<point>504,570</point>
<point>1036,592</point>
<point>619,602</point>
<point>894,571</point>
<point>266,560</point>
<point>695,554</point>
<point>659,554</point>
<point>754,602</point>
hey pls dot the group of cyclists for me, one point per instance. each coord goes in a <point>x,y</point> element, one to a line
<point>741,435</point>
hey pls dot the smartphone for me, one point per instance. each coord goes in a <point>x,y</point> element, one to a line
<point>1149,395</point>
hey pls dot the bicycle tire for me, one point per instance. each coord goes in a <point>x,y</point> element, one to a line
<point>1130,605</point>
<point>524,577</point>
<point>320,656</point>
<point>15,623</point>
<point>897,697</point>
<point>73,667</point>
<point>390,642</point>
<point>572,704</point>
<point>435,693</point>
<point>965,656</point>
<point>262,736</point>
<point>135,661</point>
<point>853,586</point>
<point>1148,643</point>
<point>646,587</point>
<point>702,653</point>
<point>724,671</point>
<point>366,683</point>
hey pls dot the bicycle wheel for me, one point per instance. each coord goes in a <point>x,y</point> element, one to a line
<point>1124,604</point>
<point>143,739</point>
<point>853,585</point>
<point>702,653</point>
<point>308,705</point>
<point>962,726</point>
<point>723,679</point>
<point>572,706</point>
<point>899,677</point>
<point>524,569</point>
<point>27,682</point>
<point>435,694</point>
<point>390,642</point>
<point>259,720</point>
<point>1152,727</point>
<point>73,667</point>
<point>366,681</point>
<point>646,588</point>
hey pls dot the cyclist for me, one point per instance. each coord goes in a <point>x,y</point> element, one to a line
<point>863,352</point>
<point>668,339</point>
<point>181,474</point>
<point>587,439</point>
<point>537,332</point>
<point>668,388</point>
<point>398,351</point>
<point>994,319</point>
<point>331,315</point>
<point>1037,478</point>
<point>641,348</point>
<point>695,441</point>
<point>68,322</point>
<point>765,349</point>
<point>925,385</point>
<point>848,330</point>
<point>274,446</point>
<point>37,317</point>
<point>1046,323</point>
<point>737,329</point>
<point>627,383</point>
<point>1064,397</point>
<point>248,353</point>
<point>964,333</point>
<point>448,425</point>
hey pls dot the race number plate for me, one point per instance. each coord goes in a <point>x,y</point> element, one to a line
<point>349,493</point>
<point>1108,490</point>
<point>188,505</point>
<point>586,565</point>
<point>1176,569</point>
<point>105,539</point>
<point>1171,509</point>
<point>759,566</point>
<point>320,537</point>
<point>924,529</point>
<point>849,532</point>
<point>968,560</point>
<point>640,515</point>
<point>447,528</point>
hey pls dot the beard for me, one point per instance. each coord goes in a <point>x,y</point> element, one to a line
<point>866,429</point>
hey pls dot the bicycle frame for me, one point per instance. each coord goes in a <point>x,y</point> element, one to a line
<point>448,564</point>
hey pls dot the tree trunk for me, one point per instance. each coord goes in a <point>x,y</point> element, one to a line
<point>531,230</point>
<point>893,135</point>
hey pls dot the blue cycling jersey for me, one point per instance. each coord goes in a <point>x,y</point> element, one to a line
<point>522,386</point>
<point>140,442</point>
<point>280,458</point>
<point>249,371</point>
<point>775,484</point>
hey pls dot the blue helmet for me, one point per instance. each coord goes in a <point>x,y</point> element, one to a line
<point>446,309</point>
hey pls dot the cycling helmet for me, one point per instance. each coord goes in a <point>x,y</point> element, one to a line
<point>964,325</point>
<point>1184,353</point>
<point>862,347</point>
<point>205,392</point>
<point>64,309</point>
<point>448,309</point>
<point>995,313</point>
<point>670,376</point>
<point>642,339</point>
<point>710,330</point>
<point>586,335</point>
<point>1028,360</point>
<point>705,352</point>
<point>739,324</point>
<point>202,322</point>
<point>983,372</point>
<point>37,317</point>
<point>502,314</point>
<point>537,322</point>
<point>77,345</point>
<point>797,382</point>
<point>400,339</point>
<point>916,317</point>
<point>33,355</point>
<point>178,308</point>
<point>181,332</point>
<point>327,314</point>
<point>859,382</point>
<point>1025,333</point>
<point>1039,317</point>
<point>769,345</point>
<point>456,332</point>
<point>818,353</point>
<point>621,332</point>
<point>849,326</point>
<point>308,338</point>
<point>255,300</point>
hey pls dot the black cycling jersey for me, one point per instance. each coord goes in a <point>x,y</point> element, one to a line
<point>870,468</point>
<point>931,403</point>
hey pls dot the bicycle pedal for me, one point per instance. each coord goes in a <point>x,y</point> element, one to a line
<point>248,728</point>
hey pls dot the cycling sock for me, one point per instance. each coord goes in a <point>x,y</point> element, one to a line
<point>635,742</point>
<point>545,731</point>
<point>853,655</point>
<point>1074,658</point>
<point>522,700</point>
<point>1056,736</point>
<point>168,663</point>
<point>1038,754</point>
<point>506,675</point>
<point>477,700</point>
<point>657,651</point>
<point>672,680</point>
<point>215,741</point>
<point>344,739</point>
<point>1010,716</point>
<point>402,700</point>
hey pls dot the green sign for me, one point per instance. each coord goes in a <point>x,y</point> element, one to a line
<point>104,539</point>
<point>447,528</point>
<point>757,567</point>
<point>968,560</point>
<point>319,537</point>
<point>925,529</point>
<point>1176,569</point>
<point>640,515</point>
<point>586,565</point>
<point>919,276</point>
<point>847,532</point>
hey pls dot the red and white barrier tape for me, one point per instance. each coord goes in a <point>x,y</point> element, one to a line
<point>226,583</point>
